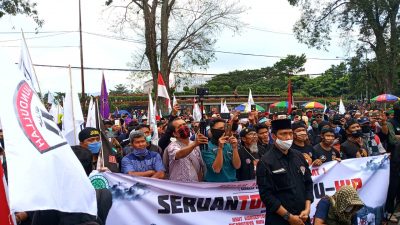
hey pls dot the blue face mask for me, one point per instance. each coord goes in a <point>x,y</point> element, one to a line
<point>148,138</point>
<point>94,147</point>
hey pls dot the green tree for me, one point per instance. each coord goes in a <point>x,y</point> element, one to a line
<point>376,21</point>
<point>290,65</point>
<point>176,34</point>
<point>120,89</point>
<point>22,7</point>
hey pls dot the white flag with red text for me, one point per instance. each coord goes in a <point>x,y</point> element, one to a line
<point>43,171</point>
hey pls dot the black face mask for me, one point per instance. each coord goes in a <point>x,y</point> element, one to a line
<point>366,129</point>
<point>216,134</point>
<point>357,134</point>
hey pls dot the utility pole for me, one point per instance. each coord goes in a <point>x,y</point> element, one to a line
<point>81,53</point>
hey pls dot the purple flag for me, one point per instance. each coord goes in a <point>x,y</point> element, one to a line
<point>104,106</point>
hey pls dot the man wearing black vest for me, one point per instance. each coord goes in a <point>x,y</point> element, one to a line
<point>284,180</point>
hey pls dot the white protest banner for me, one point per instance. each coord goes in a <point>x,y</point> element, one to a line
<point>43,171</point>
<point>138,200</point>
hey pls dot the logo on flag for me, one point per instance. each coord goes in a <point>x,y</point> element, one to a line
<point>99,182</point>
<point>36,123</point>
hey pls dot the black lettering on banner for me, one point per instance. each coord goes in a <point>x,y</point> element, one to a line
<point>189,204</point>
<point>217,204</point>
<point>231,203</point>
<point>175,203</point>
<point>162,202</point>
<point>319,192</point>
<point>203,207</point>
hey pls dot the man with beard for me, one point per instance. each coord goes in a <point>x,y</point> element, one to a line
<point>263,139</point>
<point>353,147</point>
<point>324,152</point>
<point>301,142</point>
<point>221,156</point>
<point>284,180</point>
<point>248,153</point>
<point>142,162</point>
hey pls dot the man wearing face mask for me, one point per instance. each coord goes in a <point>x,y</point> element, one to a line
<point>371,141</point>
<point>184,156</point>
<point>301,142</point>
<point>149,146</point>
<point>221,156</point>
<point>324,152</point>
<point>88,149</point>
<point>353,147</point>
<point>284,180</point>
<point>249,155</point>
<point>142,162</point>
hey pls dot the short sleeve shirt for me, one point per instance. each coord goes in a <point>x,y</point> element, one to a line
<point>132,163</point>
<point>228,172</point>
<point>324,155</point>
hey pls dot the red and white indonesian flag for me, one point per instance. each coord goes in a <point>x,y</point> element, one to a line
<point>162,91</point>
<point>43,171</point>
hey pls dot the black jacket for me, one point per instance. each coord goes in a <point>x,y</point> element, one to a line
<point>283,180</point>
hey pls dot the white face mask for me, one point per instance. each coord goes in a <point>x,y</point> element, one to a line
<point>284,145</point>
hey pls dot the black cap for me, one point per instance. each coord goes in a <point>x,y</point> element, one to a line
<point>281,124</point>
<point>88,132</point>
<point>245,131</point>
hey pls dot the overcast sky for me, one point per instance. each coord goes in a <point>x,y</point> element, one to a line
<point>62,48</point>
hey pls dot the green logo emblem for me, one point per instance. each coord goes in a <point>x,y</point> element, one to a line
<point>99,182</point>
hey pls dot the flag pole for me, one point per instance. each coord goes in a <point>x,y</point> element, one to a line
<point>34,71</point>
<point>99,127</point>
<point>72,101</point>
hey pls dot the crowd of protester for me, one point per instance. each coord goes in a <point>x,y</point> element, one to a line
<point>267,147</point>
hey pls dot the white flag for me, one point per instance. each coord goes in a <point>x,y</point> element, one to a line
<point>55,111</point>
<point>43,171</point>
<point>26,67</point>
<point>250,102</point>
<point>50,98</point>
<point>342,110</point>
<point>152,121</point>
<point>73,116</point>
<point>224,107</point>
<point>196,112</point>
<point>91,116</point>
